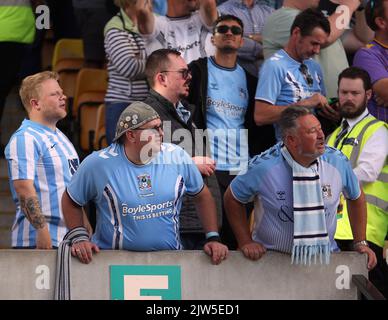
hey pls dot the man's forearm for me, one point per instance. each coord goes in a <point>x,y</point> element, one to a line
<point>146,18</point>
<point>266,113</point>
<point>357,217</point>
<point>340,19</point>
<point>361,29</point>
<point>32,210</point>
<point>380,90</point>
<point>207,210</point>
<point>208,11</point>
<point>238,221</point>
<point>72,213</point>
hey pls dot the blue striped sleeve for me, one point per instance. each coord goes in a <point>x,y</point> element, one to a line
<point>23,153</point>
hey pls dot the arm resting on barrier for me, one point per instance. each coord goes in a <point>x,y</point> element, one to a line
<point>235,212</point>
<point>75,217</point>
<point>207,212</point>
<point>357,219</point>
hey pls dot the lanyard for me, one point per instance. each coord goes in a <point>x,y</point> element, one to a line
<point>350,131</point>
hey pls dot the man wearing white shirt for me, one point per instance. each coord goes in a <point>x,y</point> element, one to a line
<point>185,27</point>
<point>364,140</point>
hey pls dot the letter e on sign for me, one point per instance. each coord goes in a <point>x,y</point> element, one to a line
<point>134,283</point>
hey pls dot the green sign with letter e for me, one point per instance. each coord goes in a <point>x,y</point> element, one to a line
<point>145,282</point>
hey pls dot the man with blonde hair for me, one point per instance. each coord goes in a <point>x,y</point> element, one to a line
<point>41,161</point>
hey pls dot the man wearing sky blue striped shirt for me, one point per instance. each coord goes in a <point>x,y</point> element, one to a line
<point>41,161</point>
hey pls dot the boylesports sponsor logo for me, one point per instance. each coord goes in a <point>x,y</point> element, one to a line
<point>166,206</point>
<point>225,107</point>
<point>182,48</point>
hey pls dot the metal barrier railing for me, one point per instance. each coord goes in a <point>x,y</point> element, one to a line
<point>366,289</point>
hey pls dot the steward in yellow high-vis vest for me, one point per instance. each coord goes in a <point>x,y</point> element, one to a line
<point>376,193</point>
<point>17,21</point>
<point>17,32</point>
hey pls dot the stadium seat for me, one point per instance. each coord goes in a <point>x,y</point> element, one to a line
<point>91,86</point>
<point>100,134</point>
<point>68,59</point>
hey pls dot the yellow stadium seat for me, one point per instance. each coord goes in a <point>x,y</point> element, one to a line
<point>68,59</point>
<point>68,54</point>
<point>91,86</point>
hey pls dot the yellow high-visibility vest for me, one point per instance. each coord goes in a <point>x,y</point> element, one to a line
<point>376,193</point>
<point>17,21</point>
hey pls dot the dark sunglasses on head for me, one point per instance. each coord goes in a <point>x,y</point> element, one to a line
<point>224,29</point>
<point>306,74</point>
<point>184,72</point>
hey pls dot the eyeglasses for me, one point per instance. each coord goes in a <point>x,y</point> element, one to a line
<point>224,29</point>
<point>306,74</point>
<point>184,72</point>
<point>155,129</point>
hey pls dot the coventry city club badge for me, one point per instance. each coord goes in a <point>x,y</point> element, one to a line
<point>326,191</point>
<point>144,182</point>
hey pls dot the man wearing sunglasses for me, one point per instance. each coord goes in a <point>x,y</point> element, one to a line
<point>253,13</point>
<point>169,78</point>
<point>290,76</point>
<point>374,58</point>
<point>137,185</point>
<point>223,95</point>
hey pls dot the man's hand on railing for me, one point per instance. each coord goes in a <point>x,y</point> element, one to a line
<point>83,250</point>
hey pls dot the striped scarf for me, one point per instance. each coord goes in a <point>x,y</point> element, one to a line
<point>62,279</point>
<point>310,233</point>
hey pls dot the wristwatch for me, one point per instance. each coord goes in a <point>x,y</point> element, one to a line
<point>360,243</point>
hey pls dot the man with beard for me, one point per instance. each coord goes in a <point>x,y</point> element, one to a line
<point>364,140</point>
<point>184,28</point>
<point>137,185</point>
<point>296,186</point>
<point>169,78</point>
<point>223,94</point>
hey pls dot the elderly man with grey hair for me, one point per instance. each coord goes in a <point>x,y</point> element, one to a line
<point>296,186</point>
<point>137,185</point>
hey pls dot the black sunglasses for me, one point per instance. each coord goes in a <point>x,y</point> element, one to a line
<point>224,29</point>
<point>306,74</point>
<point>184,72</point>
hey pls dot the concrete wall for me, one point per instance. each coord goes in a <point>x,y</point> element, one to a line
<point>30,274</point>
